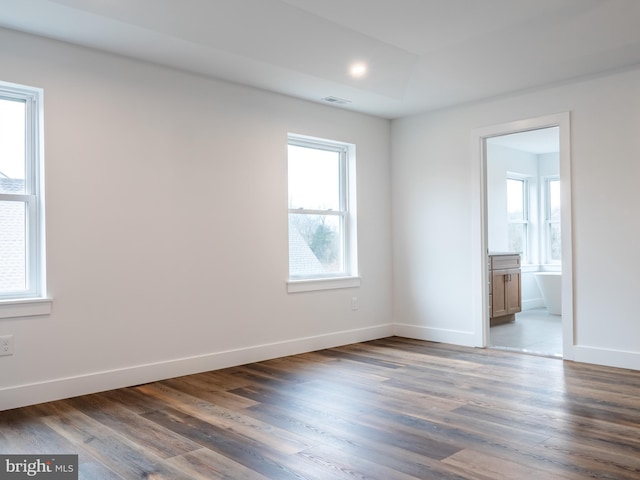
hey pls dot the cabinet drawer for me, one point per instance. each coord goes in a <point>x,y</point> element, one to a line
<point>505,261</point>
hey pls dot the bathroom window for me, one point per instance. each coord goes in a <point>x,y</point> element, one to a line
<point>518,216</point>
<point>552,221</point>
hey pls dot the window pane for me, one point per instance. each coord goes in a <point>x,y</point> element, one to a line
<point>554,200</point>
<point>13,252</point>
<point>314,178</point>
<point>516,237</point>
<point>12,146</point>
<point>515,199</point>
<point>315,245</point>
<point>555,242</point>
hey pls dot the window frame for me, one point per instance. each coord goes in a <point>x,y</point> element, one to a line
<point>348,276</point>
<point>27,302</point>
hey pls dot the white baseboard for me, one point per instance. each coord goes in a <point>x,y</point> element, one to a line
<point>455,337</point>
<point>23,395</point>
<point>606,357</point>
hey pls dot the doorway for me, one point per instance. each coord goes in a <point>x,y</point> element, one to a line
<point>525,228</point>
<point>523,221</point>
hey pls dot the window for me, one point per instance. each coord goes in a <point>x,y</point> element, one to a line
<point>517,216</point>
<point>21,208</point>
<point>552,220</point>
<point>321,209</point>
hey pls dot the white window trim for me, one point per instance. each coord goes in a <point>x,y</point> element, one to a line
<point>309,285</point>
<point>349,278</point>
<point>33,301</point>
<point>31,307</point>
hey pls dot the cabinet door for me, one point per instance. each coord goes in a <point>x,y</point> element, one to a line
<point>512,292</point>
<point>499,292</point>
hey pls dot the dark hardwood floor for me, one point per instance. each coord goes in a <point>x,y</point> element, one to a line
<point>387,409</point>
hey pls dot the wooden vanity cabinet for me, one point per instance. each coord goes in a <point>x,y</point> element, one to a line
<point>505,298</point>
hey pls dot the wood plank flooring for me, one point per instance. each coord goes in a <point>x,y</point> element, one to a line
<point>390,409</point>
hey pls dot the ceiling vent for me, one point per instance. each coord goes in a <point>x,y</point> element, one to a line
<point>336,100</point>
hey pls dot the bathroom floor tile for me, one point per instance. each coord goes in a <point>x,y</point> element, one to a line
<point>534,331</point>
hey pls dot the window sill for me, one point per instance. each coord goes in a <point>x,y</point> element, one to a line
<point>28,307</point>
<point>294,286</point>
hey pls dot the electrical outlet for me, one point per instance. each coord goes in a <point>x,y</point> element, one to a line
<point>6,345</point>
<point>354,303</point>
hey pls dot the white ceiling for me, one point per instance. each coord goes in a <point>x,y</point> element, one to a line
<point>422,54</point>
<point>543,140</point>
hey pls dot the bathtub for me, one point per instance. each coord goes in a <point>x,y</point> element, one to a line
<point>550,284</point>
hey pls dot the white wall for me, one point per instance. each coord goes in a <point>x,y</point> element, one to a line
<point>548,164</point>
<point>167,226</point>
<point>434,194</point>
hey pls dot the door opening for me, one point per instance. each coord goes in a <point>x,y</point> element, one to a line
<point>524,240</point>
<point>523,225</point>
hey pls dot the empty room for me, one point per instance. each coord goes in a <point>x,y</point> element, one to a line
<point>273,239</point>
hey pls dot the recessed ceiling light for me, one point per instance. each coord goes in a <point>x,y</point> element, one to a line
<point>358,70</point>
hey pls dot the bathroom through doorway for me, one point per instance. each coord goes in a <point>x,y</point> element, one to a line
<point>524,241</point>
